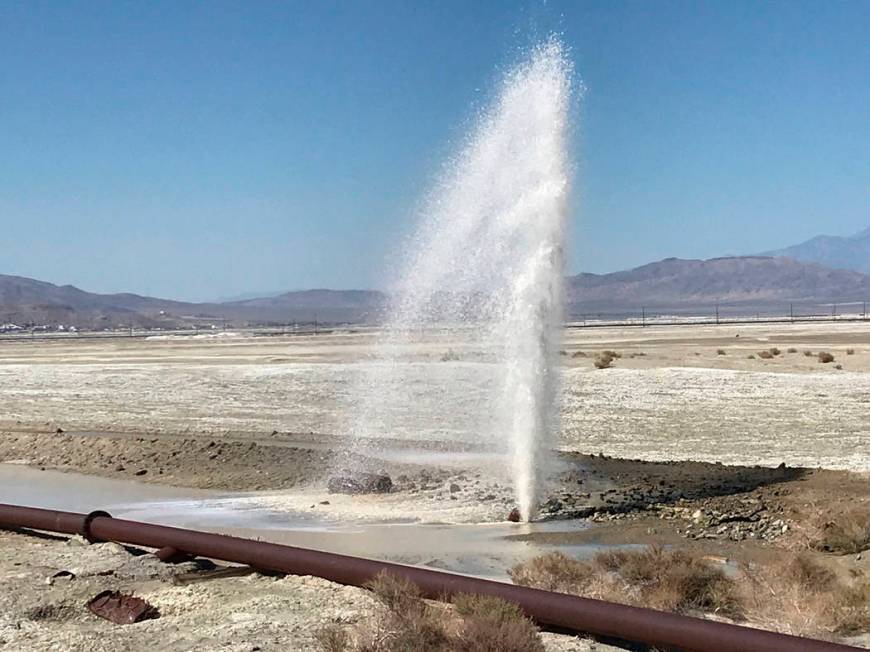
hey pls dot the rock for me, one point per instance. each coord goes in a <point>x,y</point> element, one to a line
<point>454,488</point>
<point>360,483</point>
<point>514,516</point>
<point>141,472</point>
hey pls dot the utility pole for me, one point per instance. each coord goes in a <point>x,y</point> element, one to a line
<point>643,317</point>
<point>791,312</point>
<point>717,314</point>
<point>315,323</point>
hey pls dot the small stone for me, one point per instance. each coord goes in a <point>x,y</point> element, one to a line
<point>514,516</point>
<point>454,488</point>
<point>141,472</point>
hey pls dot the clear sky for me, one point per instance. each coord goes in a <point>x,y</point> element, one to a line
<point>196,150</point>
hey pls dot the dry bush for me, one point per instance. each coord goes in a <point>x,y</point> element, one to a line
<point>850,351</point>
<point>332,638</point>
<point>676,581</point>
<point>848,534</point>
<point>603,360</point>
<point>578,354</point>
<point>799,596</point>
<point>405,622</point>
<point>750,357</point>
<point>774,351</point>
<point>825,357</point>
<point>809,354</point>
<point>796,594</point>
<point>493,625</point>
<point>838,366</point>
<point>766,355</point>
<point>613,354</point>
<point>563,352</point>
<point>791,349</point>
<point>450,356</point>
<point>553,571</point>
<point>720,351</point>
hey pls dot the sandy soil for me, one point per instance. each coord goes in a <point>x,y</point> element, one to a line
<point>679,400</point>
<point>271,414</point>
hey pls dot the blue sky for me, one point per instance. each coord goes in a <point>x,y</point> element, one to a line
<point>199,150</point>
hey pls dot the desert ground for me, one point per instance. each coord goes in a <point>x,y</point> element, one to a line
<point>736,442</point>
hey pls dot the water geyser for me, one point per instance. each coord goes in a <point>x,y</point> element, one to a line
<point>485,266</point>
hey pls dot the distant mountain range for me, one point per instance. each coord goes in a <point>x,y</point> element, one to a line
<point>850,252</point>
<point>748,282</point>
<point>740,283</point>
<point>27,301</point>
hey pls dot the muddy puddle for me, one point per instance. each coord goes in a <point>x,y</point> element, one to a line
<point>481,549</point>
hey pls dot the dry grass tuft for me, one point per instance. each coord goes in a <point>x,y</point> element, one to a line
<point>825,357</point>
<point>809,354</point>
<point>493,625</point>
<point>791,349</point>
<point>578,354</point>
<point>774,351</point>
<point>800,596</point>
<point>797,595</point>
<point>750,357</point>
<point>766,355</point>
<point>604,359</point>
<point>676,581</point>
<point>850,351</point>
<point>848,534</point>
<point>406,622</point>
<point>720,351</point>
<point>553,571</point>
<point>332,638</point>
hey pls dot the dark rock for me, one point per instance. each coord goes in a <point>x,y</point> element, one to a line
<point>141,472</point>
<point>360,483</point>
<point>454,488</point>
<point>514,516</point>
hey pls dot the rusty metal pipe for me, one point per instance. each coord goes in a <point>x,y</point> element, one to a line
<point>560,610</point>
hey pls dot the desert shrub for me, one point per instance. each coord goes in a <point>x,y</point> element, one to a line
<point>450,356</point>
<point>720,351</point>
<point>849,613</point>
<point>825,357</point>
<point>668,580</point>
<point>563,352</point>
<point>808,573</point>
<point>809,354</point>
<point>405,622</point>
<point>578,354</point>
<point>613,354</point>
<point>766,355</point>
<point>774,351</point>
<point>332,638</point>
<point>750,357</point>
<point>603,360</point>
<point>553,571</point>
<point>838,366</point>
<point>797,595</point>
<point>850,351</point>
<point>848,533</point>
<point>791,349</point>
<point>493,625</point>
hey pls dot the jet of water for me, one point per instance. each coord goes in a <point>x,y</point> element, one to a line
<point>486,266</point>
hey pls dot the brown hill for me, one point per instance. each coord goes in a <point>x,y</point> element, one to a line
<point>734,281</point>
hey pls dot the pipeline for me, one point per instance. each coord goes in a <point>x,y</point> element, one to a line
<point>558,610</point>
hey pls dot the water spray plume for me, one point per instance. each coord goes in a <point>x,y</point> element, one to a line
<point>485,266</point>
